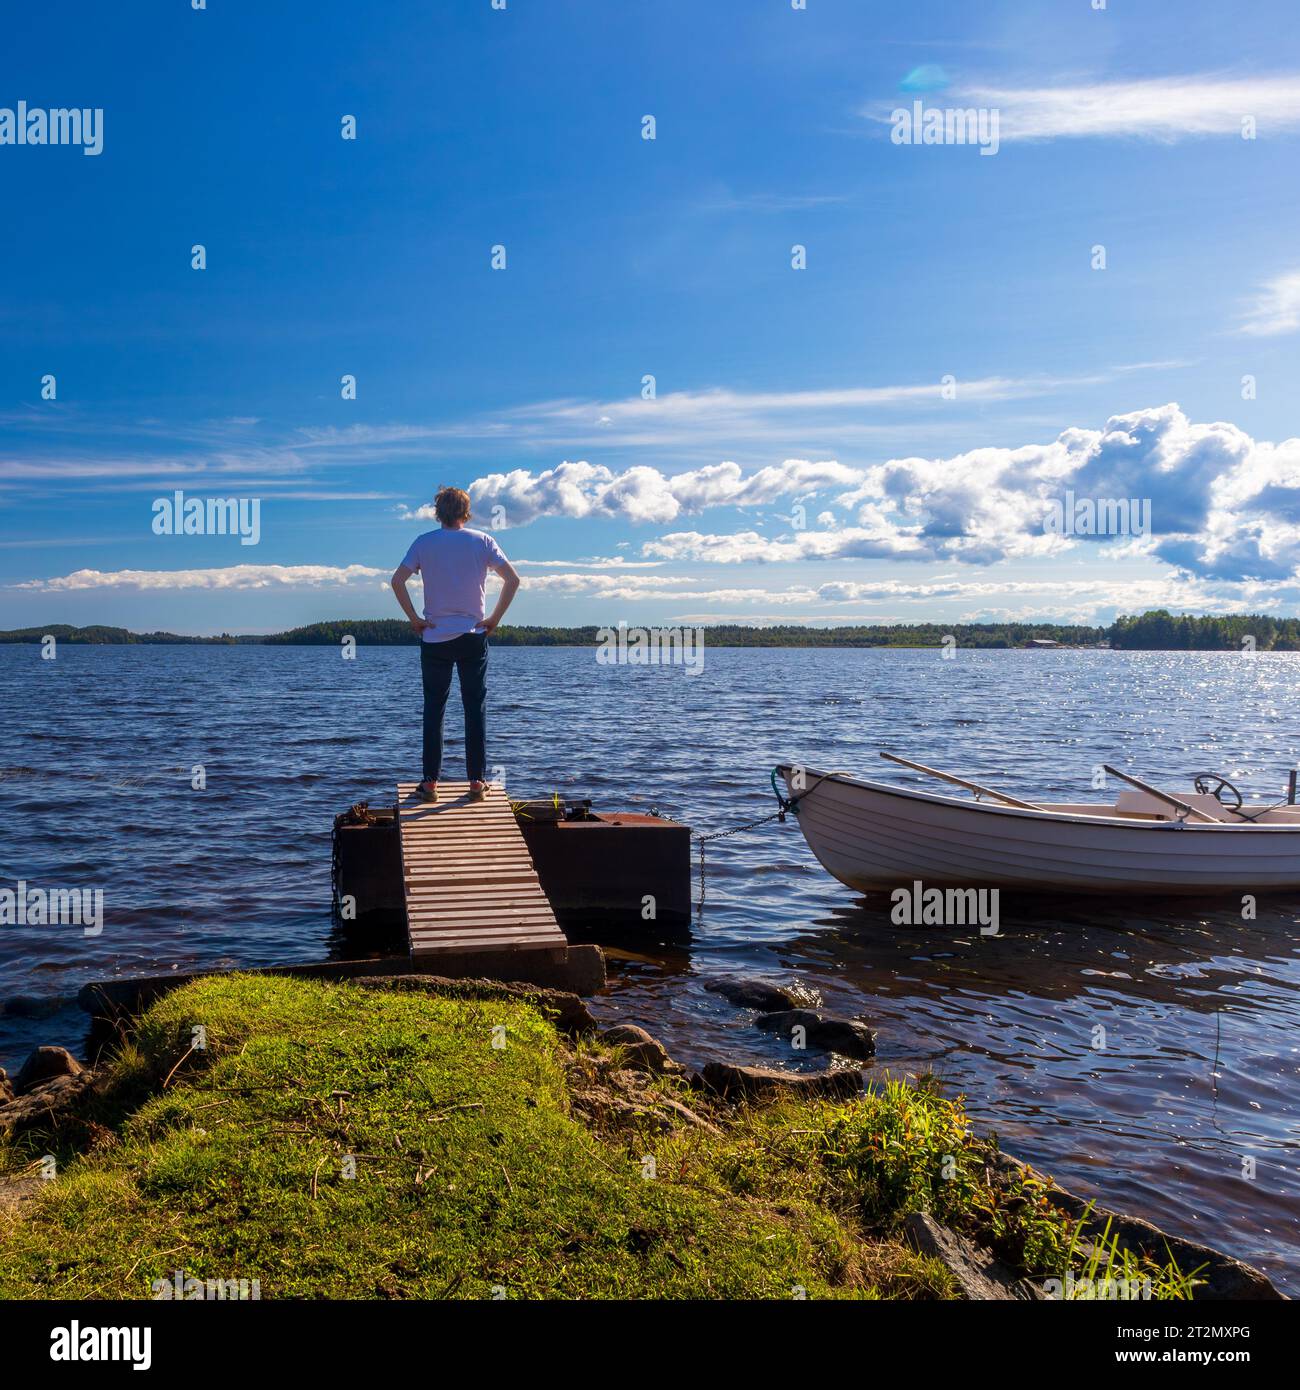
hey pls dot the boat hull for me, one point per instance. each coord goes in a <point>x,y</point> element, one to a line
<point>872,836</point>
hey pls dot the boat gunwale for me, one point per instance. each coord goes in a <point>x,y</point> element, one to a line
<point>1063,817</point>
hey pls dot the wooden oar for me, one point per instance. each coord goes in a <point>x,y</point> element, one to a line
<point>1137,782</point>
<point>961,782</point>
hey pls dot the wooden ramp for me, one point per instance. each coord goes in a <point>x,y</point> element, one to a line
<point>469,881</point>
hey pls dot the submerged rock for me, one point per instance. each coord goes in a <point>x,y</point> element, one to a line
<point>43,1065</point>
<point>736,1082</point>
<point>787,1020</point>
<point>844,1035</point>
<point>754,994</point>
<point>979,1274</point>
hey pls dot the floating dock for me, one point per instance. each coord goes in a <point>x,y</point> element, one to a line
<point>468,879</point>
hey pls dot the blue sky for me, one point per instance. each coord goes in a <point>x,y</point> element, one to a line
<point>854,488</point>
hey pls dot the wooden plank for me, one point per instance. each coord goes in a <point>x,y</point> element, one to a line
<point>436,905</point>
<point>464,862</point>
<point>466,854</point>
<point>454,824</point>
<point>460,833</point>
<point>493,919</point>
<point>462,928</point>
<point>529,930</point>
<point>504,893</point>
<point>469,852</point>
<point>494,926</point>
<point>483,940</point>
<point>460,948</point>
<point>498,919</point>
<point>492,933</point>
<point>469,876</point>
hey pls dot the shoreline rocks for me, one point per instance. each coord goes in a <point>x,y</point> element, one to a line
<point>979,1274</point>
<point>48,1102</point>
<point>49,1089</point>
<point>1225,1278</point>
<point>640,1051</point>
<point>755,994</point>
<point>44,1064</point>
<point>731,1081</point>
<point>847,1036</point>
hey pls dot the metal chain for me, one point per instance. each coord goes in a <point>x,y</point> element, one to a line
<point>722,835</point>
<point>785,807</point>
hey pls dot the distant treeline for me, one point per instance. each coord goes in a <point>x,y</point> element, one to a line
<point>1162,631</point>
<point>1153,631</point>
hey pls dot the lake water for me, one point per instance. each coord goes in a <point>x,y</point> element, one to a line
<point>1201,1064</point>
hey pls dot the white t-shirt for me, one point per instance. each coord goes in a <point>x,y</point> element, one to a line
<point>453,563</point>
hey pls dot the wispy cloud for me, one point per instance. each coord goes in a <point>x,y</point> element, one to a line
<point>1165,109</point>
<point>1276,308</point>
<point>229,577</point>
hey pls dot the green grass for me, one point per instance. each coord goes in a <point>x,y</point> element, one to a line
<point>473,1175</point>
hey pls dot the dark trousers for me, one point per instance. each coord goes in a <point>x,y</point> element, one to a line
<point>468,655</point>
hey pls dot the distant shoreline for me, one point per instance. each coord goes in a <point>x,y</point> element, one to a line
<point>1152,631</point>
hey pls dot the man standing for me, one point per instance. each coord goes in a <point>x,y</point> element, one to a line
<point>453,562</point>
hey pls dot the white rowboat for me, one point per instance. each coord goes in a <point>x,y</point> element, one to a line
<point>873,836</point>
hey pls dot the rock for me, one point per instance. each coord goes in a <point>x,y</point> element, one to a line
<point>787,1020</point>
<point>639,1048</point>
<point>47,1104</point>
<point>1224,1277</point>
<point>43,1065</point>
<point>684,1112</point>
<point>843,1035</point>
<point>567,1011</point>
<point>6,1090</point>
<point>753,994</point>
<point>737,1082</point>
<point>979,1274</point>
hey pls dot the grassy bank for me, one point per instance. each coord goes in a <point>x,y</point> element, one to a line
<point>539,1168</point>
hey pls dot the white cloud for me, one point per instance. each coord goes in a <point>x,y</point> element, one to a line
<point>1220,503</point>
<point>643,494</point>
<point>1276,308</point>
<point>747,547</point>
<point>230,577</point>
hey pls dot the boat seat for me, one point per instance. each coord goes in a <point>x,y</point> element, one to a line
<point>1136,803</point>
